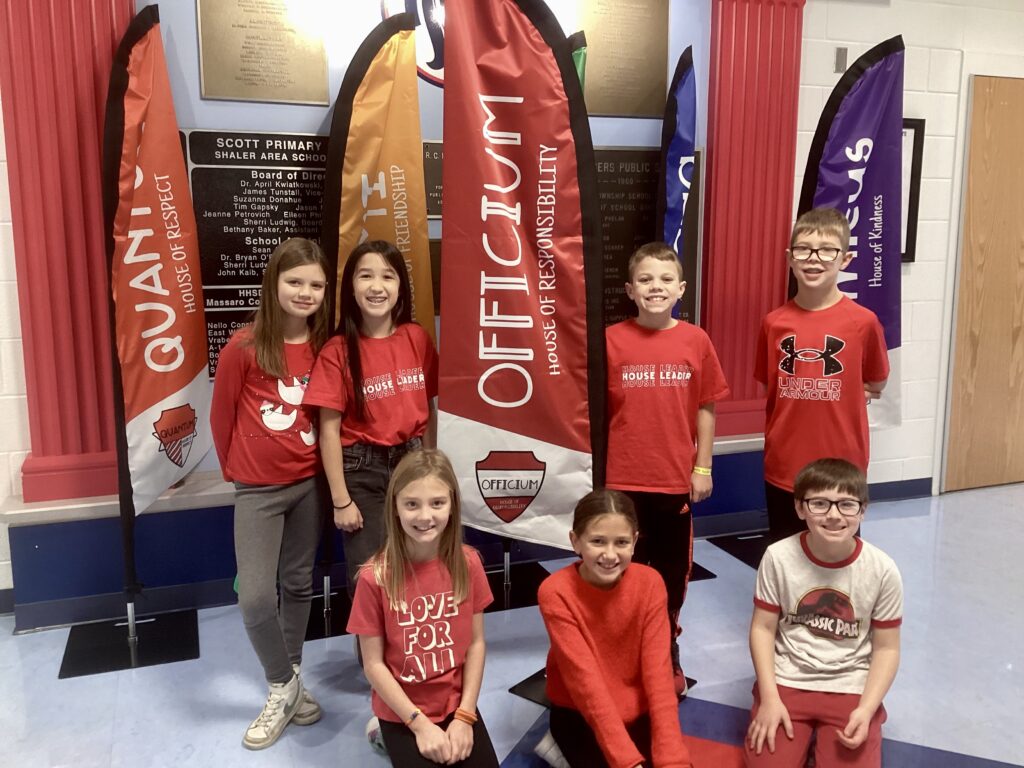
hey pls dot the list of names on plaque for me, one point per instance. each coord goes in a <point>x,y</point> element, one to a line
<point>627,185</point>
<point>261,50</point>
<point>627,56</point>
<point>250,192</point>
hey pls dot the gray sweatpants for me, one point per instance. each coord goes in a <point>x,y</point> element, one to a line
<point>276,531</point>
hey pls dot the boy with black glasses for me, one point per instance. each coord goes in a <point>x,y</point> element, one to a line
<point>822,358</point>
<point>825,637</point>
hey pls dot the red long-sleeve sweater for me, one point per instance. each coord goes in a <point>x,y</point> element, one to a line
<point>609,660</point>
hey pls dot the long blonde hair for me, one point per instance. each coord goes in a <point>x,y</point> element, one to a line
<point>389,564</point>
<point>268,325</point>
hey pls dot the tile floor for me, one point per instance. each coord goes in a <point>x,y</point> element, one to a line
<point>960,688</point>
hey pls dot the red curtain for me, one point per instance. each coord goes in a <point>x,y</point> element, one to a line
<point>754,88</point>
<point>54,65</point>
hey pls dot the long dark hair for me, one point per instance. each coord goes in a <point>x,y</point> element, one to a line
<point>268,323</point>
<point>352,318</point>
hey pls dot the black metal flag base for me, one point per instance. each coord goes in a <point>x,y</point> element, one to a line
<point>104,646</point>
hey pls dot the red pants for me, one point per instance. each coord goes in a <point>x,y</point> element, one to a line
<point>814,712</point>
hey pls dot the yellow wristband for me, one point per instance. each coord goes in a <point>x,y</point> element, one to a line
<point>706,471</point>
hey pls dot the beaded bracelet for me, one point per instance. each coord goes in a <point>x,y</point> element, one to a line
<point>415,713</point>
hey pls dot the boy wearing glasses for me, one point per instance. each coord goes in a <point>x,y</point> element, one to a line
<point>825,637</point>
<point>822,358</point>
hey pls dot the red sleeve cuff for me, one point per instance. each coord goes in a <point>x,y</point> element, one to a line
<point>890,624</point>
<point>765,605</point>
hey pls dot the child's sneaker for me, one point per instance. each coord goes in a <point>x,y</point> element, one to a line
<point>548,751</point>
<point>678,678</point>
<point>309,710</point>
<point>282,703</point>
<point>373,735</point>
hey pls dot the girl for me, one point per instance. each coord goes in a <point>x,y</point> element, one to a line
<point>418,613</point>
<point>609,675</point>
<point>266,443</point>
<point>375,383</point>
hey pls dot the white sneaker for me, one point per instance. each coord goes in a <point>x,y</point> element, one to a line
<point>309,709</point>
<point>282,703</point>
<point>548,751</point>
<point>373,735</point>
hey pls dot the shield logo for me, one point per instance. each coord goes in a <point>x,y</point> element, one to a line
<point>509,481</point>
<point>176,429</point>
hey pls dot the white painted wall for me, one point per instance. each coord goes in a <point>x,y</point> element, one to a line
<point>940,36</point>
<point>14,441</point>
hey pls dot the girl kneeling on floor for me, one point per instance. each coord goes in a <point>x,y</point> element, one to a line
<point>609,674</point>
<point>418,612</point>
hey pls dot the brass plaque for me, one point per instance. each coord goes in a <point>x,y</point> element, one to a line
<point>627,56</point>
<point>262,50</point>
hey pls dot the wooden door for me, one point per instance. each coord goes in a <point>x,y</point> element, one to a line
<point>985,441</point>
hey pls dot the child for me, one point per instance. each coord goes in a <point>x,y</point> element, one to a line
<point>825,635</point>
<point>822,358</point>
<point>418,613</point>
<point>266,443</point>
<point>613,702</point>
<point>375,383</point>
<point>663,381</point>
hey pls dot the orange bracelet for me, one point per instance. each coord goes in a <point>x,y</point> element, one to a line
<point>467,717</point>
<point>415,713</point>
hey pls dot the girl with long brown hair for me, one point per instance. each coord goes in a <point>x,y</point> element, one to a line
<point>418,613</point>
<point>266,442</point>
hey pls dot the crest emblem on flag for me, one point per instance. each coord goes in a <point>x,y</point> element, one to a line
<point>176,429</point>
<point>509,481</point>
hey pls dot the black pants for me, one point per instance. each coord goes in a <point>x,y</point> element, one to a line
<point>368,471</point>
<point>666,543</point>
<point>400,743</point>
<point>782,519</point>
<point>579,744</point>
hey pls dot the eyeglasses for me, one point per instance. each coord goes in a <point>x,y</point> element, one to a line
<point>821,506</point>
<point>825,253</point>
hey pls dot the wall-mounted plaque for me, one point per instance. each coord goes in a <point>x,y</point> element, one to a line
<point>250,191</point>
<point>261,50</point>
<point>627,185</point>
<point>433,154</point>
<point>627,56</point>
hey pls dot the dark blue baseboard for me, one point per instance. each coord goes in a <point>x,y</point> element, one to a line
<point>6,601</point>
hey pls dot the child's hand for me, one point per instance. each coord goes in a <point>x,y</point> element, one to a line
<point>700,487</point>
<point>432,742</point>
<point>770,715</point>
<point>348,519</point>
<point>870,394</point>
<point>856,731</point>
<point>460,736</point>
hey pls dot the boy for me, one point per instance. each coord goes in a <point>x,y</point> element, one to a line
<point>663,381</point>
<point>825,637</point>
<point>822,358</point>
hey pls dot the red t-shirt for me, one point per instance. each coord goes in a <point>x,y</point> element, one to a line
<point>609,660</point>
<point>815,365</point>
<point>399,381</point>
<point>424,645</point>
<point>262,427</point>
<point>656,382</point>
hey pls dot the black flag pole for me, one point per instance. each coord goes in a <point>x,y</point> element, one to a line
<point>98,647</point>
